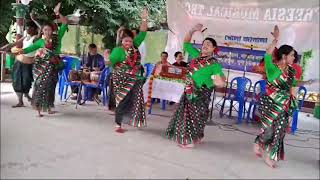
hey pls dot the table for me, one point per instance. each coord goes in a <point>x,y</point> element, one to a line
<point>172,91</point>
<point>164,89</point>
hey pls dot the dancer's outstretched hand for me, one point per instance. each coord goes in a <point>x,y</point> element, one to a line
<point>276,32</point>
<point>56,9</point>
<point>197,27</point>
<point>218,81</point>
<point>16,50</point>
<point>32,16</point>
<point>145,14</point>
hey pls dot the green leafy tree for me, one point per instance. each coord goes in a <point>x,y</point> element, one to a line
<point>103,16</point>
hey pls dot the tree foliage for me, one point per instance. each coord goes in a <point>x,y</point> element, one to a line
<point>104,16</point>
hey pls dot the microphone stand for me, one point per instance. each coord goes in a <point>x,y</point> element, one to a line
<point>210,122</point>
<point>245,62</point>
<point>226,87</point>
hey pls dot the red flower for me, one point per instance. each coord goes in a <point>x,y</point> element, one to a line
<point>216,50</point>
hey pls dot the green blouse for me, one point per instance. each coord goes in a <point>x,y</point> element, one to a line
<point>118,54</point>
<point>272,71</point>
<point>193,52</point>
<point>41,42</point>
<point>203,75</point>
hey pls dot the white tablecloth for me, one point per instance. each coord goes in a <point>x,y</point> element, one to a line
<point>166,90</point>
<point>172,91</point>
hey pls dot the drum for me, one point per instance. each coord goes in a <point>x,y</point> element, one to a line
<point>74,75</point>
<point>85,75</point>
<point>95,76</point>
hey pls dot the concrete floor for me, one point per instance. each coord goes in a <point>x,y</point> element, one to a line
<point>81,143</point>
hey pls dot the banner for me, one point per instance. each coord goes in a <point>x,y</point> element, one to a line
<point>239,25</point>
<point>237,58</point>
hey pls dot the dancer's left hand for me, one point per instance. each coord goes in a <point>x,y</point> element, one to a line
<point>16,50</point>
<point>145,14</point>
<point>218,81</point>
<point>276,32</point>
<point>311,81</point>
<point>56,9</point>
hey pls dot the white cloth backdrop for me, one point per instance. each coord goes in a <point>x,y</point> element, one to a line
<point>242,23</point>
<point>162,89</point>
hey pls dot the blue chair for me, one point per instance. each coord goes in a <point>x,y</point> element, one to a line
<point>239,95</point>
<point>149,68</point>
<point>262,86</point>
<point>69,64</point>
<point>102,85</point>
<point>294,126</point>
<point>65,83</point>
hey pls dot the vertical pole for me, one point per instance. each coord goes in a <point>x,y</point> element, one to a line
<point>78,49</point>
<point>2,58</point>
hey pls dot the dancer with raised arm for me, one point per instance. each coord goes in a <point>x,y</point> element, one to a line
<point>127,78</point>
<point>22,70</point>
<point>47,61</point>
<point>277,105</point>
<point>204,72</point>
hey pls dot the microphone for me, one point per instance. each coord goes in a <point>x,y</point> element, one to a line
<point>204,29</point>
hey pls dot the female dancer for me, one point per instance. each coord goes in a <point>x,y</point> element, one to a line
<point>277,104</point>
<point>46,62</point>
<point>22,69</point>
<point>127,78</point>
<point>188,122</point>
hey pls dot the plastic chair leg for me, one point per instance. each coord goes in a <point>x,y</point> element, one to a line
<point>61,92</point>
<point>294,121</point>
<point>59,85</point>
<point>149,112</point>
<point>230,109</point>
<point>244,110</point>
<point>254,112</point>
<point>163,107</point>
<point>103,96</point>
<point>249,112</point>
<point>106,94</point>
<point>66,91</point>
<point>222,107</point>
<point>241,108</point>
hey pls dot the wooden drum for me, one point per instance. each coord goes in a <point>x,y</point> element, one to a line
<point>95,76</point>
<point>74,75</point>
<point>85,75</point>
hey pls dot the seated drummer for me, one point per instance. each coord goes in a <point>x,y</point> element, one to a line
<point>94,62</point>
<point>179,60</point>
<point>163,62</point>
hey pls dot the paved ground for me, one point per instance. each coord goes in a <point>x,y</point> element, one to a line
<point>81,143</point>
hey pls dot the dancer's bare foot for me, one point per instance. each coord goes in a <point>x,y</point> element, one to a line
<point>39,113</point>
<point>51,112</point>
<point>18,105</point>
<point>119,129</point>
<point>186,146</point>
<point>257,150</point>
<point>199,141</point>
<point>271,163</point>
